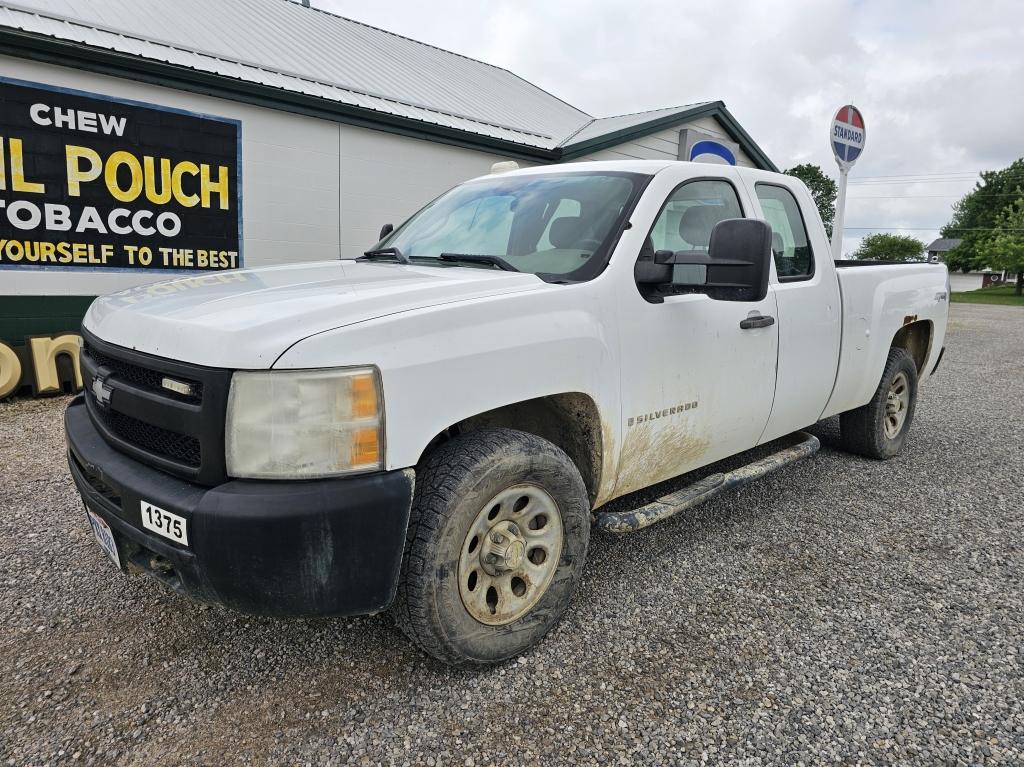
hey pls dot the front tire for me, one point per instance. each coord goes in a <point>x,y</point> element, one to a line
<point>497,539</point>
<point>879,428</point>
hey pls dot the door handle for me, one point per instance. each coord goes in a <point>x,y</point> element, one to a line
<point>757,321</point>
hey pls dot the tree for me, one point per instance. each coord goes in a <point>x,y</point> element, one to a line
<point>823,190</point>
<point>976,214</point>
<point>1003,248</point>
<point>890,247</point>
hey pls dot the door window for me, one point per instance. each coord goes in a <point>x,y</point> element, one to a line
<point>686,221</point>
<point>791,247</point>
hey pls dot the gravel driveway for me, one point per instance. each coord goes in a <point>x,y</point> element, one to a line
<point>841,611</point>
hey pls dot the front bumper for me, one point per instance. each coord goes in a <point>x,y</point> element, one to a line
<point>317,547</point>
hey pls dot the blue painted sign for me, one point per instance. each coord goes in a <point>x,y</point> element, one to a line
<point>711,151</point>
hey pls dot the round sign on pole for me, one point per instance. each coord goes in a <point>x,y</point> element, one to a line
<point>847,135</point>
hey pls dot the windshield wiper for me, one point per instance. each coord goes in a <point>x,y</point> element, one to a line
<point>389,252</point>
<point>469,258</point>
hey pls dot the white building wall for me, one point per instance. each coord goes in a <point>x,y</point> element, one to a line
<point>664,145</point>
<point>960,282</point>
<point>385,178</point>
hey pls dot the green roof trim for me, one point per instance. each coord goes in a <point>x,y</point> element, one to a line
<point>67,53</point>
<point>714,109</point>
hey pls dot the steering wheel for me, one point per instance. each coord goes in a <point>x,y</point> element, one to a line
<point>590,245</point>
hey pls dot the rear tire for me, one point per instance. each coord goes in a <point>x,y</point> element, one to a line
<point>879,428</point>
<point>497,539</point>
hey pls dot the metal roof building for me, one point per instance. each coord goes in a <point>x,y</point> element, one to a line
<point>145,138</point>
<point>314,61</point>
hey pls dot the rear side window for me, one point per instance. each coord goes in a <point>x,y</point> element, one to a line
<point>790,244</point>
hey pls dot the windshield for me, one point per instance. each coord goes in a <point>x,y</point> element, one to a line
<point>558,226</point>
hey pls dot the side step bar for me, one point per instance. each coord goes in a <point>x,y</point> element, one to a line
<point>703,489</point>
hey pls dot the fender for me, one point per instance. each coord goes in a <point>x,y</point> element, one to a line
<point>443,364</point>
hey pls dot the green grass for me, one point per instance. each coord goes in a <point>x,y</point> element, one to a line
<point>1002,295</point>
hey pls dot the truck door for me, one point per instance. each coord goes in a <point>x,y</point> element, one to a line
<point>696,387</point>
<point>809,309</point>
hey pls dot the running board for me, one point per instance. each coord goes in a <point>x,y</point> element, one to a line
<point>703,489</point>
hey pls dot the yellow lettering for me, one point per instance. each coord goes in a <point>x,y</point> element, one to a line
<point>18,182</point>
<point>187,200</point>
<point>44,353</point>
<point>220,187</point>
<point>76,175</point>
<point>114,162</point>
<point>149,169</point>
<point>10,371</point>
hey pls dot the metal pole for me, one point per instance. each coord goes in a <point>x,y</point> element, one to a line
<point>837,224</point>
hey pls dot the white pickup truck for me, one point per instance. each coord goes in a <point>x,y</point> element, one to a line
<point>435,427</point>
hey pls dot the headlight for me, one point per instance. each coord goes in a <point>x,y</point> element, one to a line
<point>284,424</point>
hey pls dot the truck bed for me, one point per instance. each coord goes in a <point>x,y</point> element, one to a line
<point>879,300</point>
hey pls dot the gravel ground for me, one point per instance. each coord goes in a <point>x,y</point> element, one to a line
<point>841,611</point>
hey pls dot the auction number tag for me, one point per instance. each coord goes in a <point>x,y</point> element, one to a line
<point>164,523</point>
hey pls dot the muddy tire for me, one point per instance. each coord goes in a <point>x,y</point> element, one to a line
<point>879,429</point>
<point>497,539</point>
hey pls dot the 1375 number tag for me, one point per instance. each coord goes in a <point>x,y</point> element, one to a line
<point>164,523</point>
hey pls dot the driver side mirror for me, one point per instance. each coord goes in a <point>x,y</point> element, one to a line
<point>736,264</point>
<point>385,231</point>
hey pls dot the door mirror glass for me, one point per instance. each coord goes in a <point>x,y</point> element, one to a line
<point>690,274</point>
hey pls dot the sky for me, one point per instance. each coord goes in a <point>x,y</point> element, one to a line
<point>940,83</point>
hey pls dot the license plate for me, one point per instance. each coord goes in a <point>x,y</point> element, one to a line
<point>164,523</point>
<point>105,537</point>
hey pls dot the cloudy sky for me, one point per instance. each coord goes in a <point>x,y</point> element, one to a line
<point>941,83</point>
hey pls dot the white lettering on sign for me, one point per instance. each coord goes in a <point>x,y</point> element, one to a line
<point>25,215</point>
<point>77,119</point>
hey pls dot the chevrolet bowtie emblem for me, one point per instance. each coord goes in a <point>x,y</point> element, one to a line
<point>101,391</point>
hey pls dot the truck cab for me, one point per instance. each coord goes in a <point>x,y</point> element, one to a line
<point>434,428</point>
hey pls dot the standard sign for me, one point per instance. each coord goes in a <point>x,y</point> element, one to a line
<point>89,182</point>
<point>847,135</point>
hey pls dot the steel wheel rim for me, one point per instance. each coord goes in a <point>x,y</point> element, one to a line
<point>510,554</point>
<point>897,401</point>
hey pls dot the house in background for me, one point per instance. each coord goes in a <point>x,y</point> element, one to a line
<point>961,281</point>
<point>939,248</point>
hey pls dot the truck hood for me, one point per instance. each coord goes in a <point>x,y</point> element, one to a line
<point>246,319</point>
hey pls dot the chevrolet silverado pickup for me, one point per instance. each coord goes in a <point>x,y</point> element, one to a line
<point>434,428</point>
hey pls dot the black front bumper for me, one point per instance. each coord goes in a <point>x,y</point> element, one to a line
<point>317,547</point>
